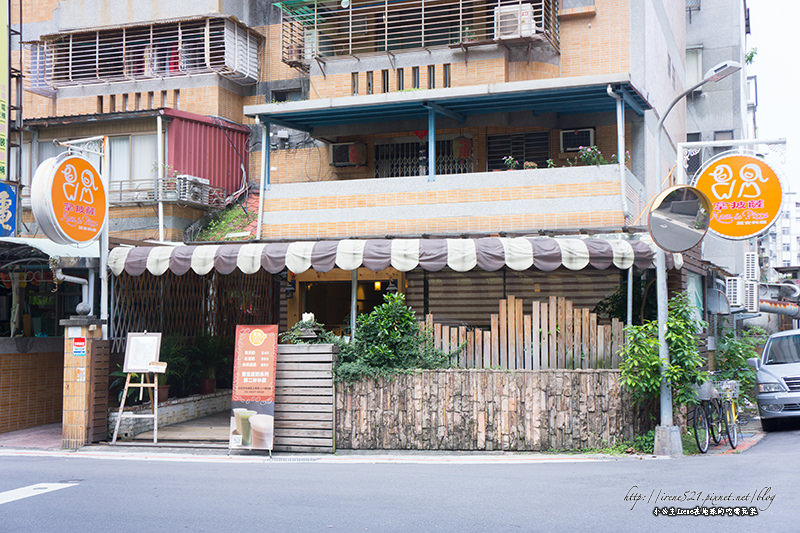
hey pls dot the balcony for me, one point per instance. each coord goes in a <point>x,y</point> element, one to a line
<point>153,51</point>
<point>516,201</point>
<point>316,31</point>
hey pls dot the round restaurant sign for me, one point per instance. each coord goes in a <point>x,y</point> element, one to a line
<point>68,199</point>
<point>745,195</point>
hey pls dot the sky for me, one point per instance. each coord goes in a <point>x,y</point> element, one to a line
<point>772,25</point>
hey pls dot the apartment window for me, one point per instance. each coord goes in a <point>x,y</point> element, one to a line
<point>125,102</point>
<point>787,248</point>
<point>287,96</point>
<point>415,77</point>
<point>112,103</point>
<point>138,101</point>
<point>431,77</point>
<point>150,51</point>
<point>354,83</point>
<point>400,80</point>
<point>446,80</point>
<point>401,159</point>
<point>724,135</point>
<point>369,82</point>
<point>534,146</point>
<point>132,160</point>
<point>163,99</point>
<point>150,97</point>
<point>696,160</point>
<point>385,81</point>
<point>176,97</point>
<point>99,104</point>
<point>694,66</point>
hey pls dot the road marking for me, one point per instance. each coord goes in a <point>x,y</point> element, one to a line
<point>31,490</point>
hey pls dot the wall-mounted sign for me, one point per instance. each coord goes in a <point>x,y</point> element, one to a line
<point>79,347</point>
<point>745,195</point>
<point>68,199</point>
<point>8,209</point>
<point>4,89</point>
<point>253,407</point>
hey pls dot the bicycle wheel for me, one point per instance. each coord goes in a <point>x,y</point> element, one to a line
<point>715,416</point>
<point>732,423</point>
<point>701,428</point>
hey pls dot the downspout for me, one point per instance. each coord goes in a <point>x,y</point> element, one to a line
<point>160,184</point>
<point>84,283</point>
<point>623,185</point>
<point>104,243</point>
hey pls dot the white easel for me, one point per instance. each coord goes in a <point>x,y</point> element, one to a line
<point>141,357</point>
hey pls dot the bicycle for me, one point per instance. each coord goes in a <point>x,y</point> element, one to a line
<point>708,416</point>
<point>730,393</point>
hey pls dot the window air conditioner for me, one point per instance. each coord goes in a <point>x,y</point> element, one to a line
<point>572,140</point>
<point>348,155</point>
<point>751,296</point>
<point>734,290</point>
<point>192,190</point>
<point>751,270</point>
<point>513,21</point>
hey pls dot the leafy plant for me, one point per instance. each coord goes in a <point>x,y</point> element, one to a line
<point>732,354</point>
<point>229,220</point>
<point>387,341</point>
<point>117,386</point>
<point>530,165</point>
<point>184,368</point>
<point>551,163</point>
<point>510,162</point>
<point>641,366</point>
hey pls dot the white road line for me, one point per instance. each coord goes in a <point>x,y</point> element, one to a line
<point>31,490</point>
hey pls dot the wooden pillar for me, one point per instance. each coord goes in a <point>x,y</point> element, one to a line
<point>78,379</point>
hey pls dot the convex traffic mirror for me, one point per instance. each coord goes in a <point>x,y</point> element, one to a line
<point>679,218</point>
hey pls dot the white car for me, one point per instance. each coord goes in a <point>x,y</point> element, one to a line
<point>778,378</point>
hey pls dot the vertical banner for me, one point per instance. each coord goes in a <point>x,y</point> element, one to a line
<point>8,208</point>
<point>252,424</point>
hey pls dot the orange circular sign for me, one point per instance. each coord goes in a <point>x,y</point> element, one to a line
<point>68,199</point>
<point>257,337</point>
<point>745,195</point>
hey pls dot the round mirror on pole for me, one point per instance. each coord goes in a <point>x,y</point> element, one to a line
<point>679,218</point>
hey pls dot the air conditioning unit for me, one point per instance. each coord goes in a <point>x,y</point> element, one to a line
<point>514,21</point>
<point>192,190</point>
<point>751,296</point>
<point>348,155</point>
<point>734,290</point>
<point>572,140</point>
<point>751,270</point>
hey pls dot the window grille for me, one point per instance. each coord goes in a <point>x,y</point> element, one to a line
<point>144,52</point>
<point>404,159</point>
<point>534,146</point>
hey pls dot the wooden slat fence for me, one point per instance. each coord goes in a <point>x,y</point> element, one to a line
<point>304,408</point>
<point>554,335</point>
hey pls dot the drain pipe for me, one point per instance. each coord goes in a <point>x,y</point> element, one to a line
<point>84,283</point>
<point>623,185</point>
<point>790,309</point>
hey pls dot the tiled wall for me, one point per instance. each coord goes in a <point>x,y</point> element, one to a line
<point>30,386</point>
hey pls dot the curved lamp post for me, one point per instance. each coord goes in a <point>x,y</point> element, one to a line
<point>668,438</point>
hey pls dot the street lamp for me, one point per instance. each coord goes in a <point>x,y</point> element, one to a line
<point>668,438</point>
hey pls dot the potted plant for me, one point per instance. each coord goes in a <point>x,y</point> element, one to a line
<point>529,165</point>
<point>210,352</point>
<point>163,387</point>
<point>510,162</point>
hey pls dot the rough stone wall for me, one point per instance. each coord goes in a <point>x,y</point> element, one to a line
<point>486,410</point>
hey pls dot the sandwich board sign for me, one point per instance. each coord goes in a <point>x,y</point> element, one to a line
<point>252,423</point>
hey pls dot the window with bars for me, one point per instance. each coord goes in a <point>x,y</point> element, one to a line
<point>695,161</point>
<point>152,51</point>
<point>533,146</point>
<point>402,159</point>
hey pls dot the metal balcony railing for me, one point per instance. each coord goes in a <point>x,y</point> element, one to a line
<point>313,30</point>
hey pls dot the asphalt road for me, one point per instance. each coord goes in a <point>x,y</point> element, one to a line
<point>417,493</point>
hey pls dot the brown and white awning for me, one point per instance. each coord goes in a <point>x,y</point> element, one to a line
<point>461,255</point>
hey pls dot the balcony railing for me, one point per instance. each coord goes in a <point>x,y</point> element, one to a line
<point>313,30</point>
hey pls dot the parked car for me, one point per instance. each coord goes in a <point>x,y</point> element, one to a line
<point>778,378</point>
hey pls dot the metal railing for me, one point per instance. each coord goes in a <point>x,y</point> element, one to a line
<point>312,29</point>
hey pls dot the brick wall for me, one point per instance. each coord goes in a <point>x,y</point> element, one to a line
<point>486,410</point>
<point>30,382</point>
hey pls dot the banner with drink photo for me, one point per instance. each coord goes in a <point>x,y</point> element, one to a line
<point>252,424</point>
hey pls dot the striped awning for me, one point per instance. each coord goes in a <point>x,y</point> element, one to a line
<point>461,255</point>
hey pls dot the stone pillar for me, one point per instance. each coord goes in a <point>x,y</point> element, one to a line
<point>77,379</point>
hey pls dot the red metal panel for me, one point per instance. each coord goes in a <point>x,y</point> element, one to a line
<point>208,148</point>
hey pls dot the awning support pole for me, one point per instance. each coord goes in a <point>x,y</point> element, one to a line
<point>104,243</point>
<point>265,177</point>
<point>431,144</point>
<point>353,304</point>
<point>630,296</point>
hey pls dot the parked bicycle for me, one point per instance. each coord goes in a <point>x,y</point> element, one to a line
<point>730,394</point>
<point>708,416</point>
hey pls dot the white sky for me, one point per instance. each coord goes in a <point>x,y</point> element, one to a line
<point>773,26</point>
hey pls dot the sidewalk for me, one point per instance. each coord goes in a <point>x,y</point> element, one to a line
<point>751,434</point>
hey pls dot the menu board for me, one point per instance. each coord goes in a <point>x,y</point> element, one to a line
<point>253,407</point>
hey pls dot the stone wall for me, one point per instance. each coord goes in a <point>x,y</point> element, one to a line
<point>486,410</point>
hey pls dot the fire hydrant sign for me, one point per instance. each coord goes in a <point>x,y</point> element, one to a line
<point>745,195</point>
<point>253,407</point>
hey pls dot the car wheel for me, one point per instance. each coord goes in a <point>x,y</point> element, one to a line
<point>769,424</point>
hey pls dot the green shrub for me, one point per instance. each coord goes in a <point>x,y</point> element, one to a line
<point>732,354</point>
